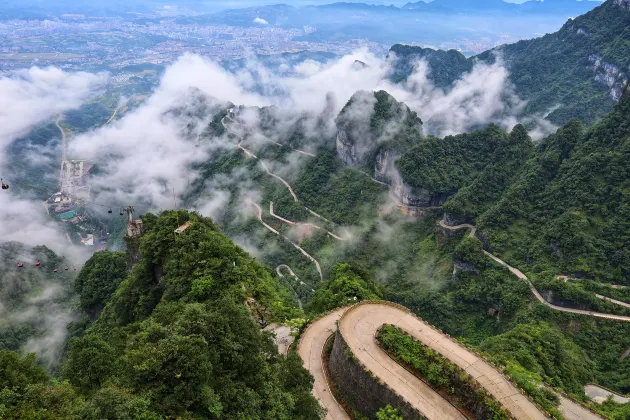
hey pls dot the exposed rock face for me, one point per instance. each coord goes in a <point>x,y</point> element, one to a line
<point>463,266</point>
<point>622,3</point>
<point>583,31</point>
<point>452,220</point>
<point>372,122</point>
<point>609,75</point>
<point>346,149</point>
<point>416,197</point>
<point>384,165</point>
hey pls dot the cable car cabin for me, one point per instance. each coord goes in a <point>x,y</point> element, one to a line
<point>74,268</point>
<point>55,270</point>
<point>37,264</point>
<point>66,268</point>
<point>20,265</point>
<point>4,186</point>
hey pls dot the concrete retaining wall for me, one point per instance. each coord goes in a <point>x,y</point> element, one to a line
<point>364,392</point>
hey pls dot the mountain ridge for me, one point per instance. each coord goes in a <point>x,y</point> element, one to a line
<point>576,72</point>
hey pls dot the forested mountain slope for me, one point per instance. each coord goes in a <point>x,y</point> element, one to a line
<point>570,204</point>
<point>35,302</point>
<point>577,72</point>
<point>176,339</point>
<point>563,203</point>
<point>441,167</point>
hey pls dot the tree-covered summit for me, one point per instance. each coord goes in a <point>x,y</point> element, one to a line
<point>576,72</point>
<point>179,337</point>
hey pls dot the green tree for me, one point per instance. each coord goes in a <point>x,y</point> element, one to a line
<point>348,284</point>
<point>388,413</point>
<point>113,402</point>
<point>26,391</point>
<point>90,362</point>
<point>99,279</point>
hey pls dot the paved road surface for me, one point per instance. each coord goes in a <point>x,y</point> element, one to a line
<point>358,327</point>
<point>522,276</point>
<point>64,142</point>
<point>574,411</point>
<point>599,394</point>
<point>615,301</point>
<point>310,349</point>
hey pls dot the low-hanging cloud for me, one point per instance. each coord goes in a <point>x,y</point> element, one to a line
<point>147,156</point>
<point>33,96</point>
<point>28,98</point>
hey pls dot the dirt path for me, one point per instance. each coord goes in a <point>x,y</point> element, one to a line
<point>522,276</point>
<point>311,349</point>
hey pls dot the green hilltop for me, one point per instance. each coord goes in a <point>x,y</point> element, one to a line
<point>576,72</point>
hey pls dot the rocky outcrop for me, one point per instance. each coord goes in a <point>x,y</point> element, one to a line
<point>416,197</point>
<point>372,123</point>
<point>463,266</point>
<point>346,149</point>
<point>609,75</point>
<point>453,220</point>
<point>384,165</point>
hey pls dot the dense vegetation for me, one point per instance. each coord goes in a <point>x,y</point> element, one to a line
<point>176,339</point>
<point>347,284</point>
<point>568,208</point>
<point>32,297</point>
<point>99,279</point>
<point>489,308</point>
<point>554,73</point>
<point>477,166</point>
<point>446,66</point>
<point>440,373</point>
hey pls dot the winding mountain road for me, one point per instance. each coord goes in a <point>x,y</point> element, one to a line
<point>296,246</point>
<point>536,293</point>
<point>311,350</point>
<point>308,225</point>
<point>358,325</point>
<point>292,274</point>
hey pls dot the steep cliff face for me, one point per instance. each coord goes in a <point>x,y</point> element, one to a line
<point>373,128</point>
<point>416,197</point>
<point>346,149</point>
<point>610,75</point>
